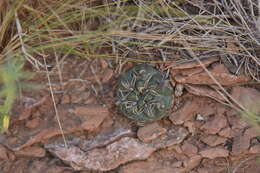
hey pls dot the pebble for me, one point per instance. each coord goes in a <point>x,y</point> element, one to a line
<point>150,132</point>
<point>213,153</point>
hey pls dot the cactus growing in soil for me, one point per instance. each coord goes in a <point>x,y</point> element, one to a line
<point>144,94</point>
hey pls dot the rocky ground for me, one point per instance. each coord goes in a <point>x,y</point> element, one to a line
<point>200,135</point>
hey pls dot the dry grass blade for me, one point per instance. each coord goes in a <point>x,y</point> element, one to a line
<point>54,104</point>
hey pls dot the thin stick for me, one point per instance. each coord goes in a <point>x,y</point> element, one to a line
<point>54,104</point>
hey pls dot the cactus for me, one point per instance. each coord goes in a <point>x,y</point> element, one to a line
<point>144,94</point>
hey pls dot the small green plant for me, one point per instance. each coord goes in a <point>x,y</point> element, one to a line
<point>11,74</point>
<point>144,94</point>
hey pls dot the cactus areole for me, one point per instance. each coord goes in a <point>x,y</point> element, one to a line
<point>144,94</point>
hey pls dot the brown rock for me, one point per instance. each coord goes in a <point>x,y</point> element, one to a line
<point>32,123</point>
<point>177,148</point>
<point>86,110</point>
<point>241,142</point>
<point>177,164</point>
<point>150,132</point>
<point>185,113</point>
<point>213,153</point>
<point>31,152</point>
<point>65,99</point>
<point>194,64</point>
<point>201,90</point>
<point>214,125</point>
<point>103,63</point>
<point>103,159</point>
<point>118,151</point>
<point>247,97</point>
<point>174,135</point>
<point>189,149</point>
<point>26,113</point>
<point>105,138</point>
<point>192,71</point>
<point>219,68</point>
<point>144,167</point>
<point>193,162</point>
<point>255,149</point>
<point>107,75</point>
<point>213,169</point>
<point>203,170</point>
<point>80,97</point>
<point>252,132</point>
<point>237,124</point>
<point>226,132</point>
<point>92,115</point>
<point>191,127</point>
<point>178,90</point>
<point>3,153</point>
<point>223,77</point>
<point>192,107</point>
<point>213,140</point>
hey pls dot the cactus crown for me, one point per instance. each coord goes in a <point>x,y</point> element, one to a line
<point>144,94</point>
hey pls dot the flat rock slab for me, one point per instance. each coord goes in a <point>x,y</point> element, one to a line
<point>222,76</point>
<point>123,150</point>
<point>150,132</point>
<point>150,166</point>
<point>73,117</point>
<point>213,153</point>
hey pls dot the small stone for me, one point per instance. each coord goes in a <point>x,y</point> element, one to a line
<point>150,132</point>
<point>31,152</point>
<point>92,115</point>
<point>205,91</point>
<point>203,78</point>
<point>191,127</point>
<point>189,149</point>
<point>185,113</point>
<point>215,125</point>
<point>149,166</point>
<point>176,148</point>
<point>3,153</point>
<point>213,140</point>
<point>213,153</point>
<point>194,64</point>
<point>107,75</point>
<point>32,123</point>
<point>175,135</point>
<point>177,164</point>
<point>237,124</point>
<point>241,142</point>
<point>179,90</point>
<point>203,170</point>
<point>252,132</point>
<point>247,97</point>
<point>193,162</point>
<point>199,117</point>
<point>65,99</point>
<point>255,149</point>
<point>192,71</point>
<point>212,169</point>
<point>226,132</point>
<point>90,110</point>
<point>103,63</point>
<point>219,68</point>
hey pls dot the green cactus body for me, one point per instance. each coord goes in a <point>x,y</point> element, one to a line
<point>144,94</point>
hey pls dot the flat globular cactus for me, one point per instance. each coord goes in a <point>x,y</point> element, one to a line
<point>144,94</point>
